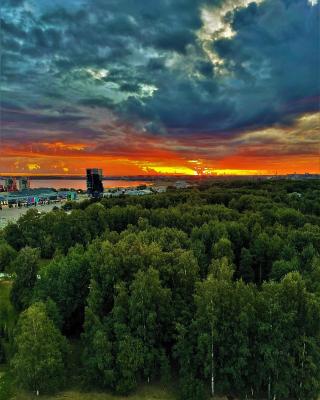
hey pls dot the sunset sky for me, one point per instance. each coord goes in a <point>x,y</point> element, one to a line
<point>149,86</point>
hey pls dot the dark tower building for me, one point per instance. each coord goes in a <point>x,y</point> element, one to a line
<point>24,183</point>
<point>94,182</point>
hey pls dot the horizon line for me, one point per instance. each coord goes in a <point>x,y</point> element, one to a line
<point>23,174</point>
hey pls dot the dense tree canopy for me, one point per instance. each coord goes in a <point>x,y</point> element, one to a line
<point>218,287</point>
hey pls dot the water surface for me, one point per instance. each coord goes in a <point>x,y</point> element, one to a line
<point>79,183</point>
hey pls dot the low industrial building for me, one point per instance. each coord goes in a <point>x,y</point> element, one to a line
<point>127,191</point>
<point>32,197</point>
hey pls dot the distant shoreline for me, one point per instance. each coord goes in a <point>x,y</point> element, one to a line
<point>168,178</point>
<point>140,177</point>
<point>107,178</point>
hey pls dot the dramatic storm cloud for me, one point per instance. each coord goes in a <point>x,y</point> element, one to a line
<point>160,86</point>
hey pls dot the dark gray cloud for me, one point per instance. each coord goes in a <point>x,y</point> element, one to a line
<point>146,63</point>
<point>276,52</point>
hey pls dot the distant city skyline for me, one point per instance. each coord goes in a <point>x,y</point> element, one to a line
<point>163,87</point>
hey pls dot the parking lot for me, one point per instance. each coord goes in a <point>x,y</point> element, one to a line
<point>12,214</point>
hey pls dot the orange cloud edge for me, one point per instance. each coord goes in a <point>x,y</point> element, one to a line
<point>270,151</point>
<point>232,165</point>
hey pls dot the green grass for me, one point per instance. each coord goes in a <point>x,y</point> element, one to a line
<point>144,393</point>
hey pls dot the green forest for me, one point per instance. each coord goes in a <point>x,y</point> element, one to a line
<point>213,290</point>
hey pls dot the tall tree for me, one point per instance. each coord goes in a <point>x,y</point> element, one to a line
<point>25,266</point>
<point>129,350</point>
<point>97,356</point>
<point>7,255</point>
<point>191,386</point>
<point>304,340</point>
<point>208,299</point>
<point>246,262</point>
<point>223,248</point>
<point>39,363</point>
<point>14,236</point>
<point>149,313</point>
<point>287,341</point>
<point>66,280</point>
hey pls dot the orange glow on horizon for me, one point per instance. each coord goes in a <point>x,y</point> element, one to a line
<point>75,166</point>
<point>74,162</point>
<point>270,151</point>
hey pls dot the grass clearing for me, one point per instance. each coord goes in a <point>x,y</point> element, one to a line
<point>151,392</point>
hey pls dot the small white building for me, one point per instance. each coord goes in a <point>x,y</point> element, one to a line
<point>181,185</point>
<point>136,192</point>
<point>159,189</point>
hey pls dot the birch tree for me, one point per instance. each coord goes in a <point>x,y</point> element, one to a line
<point>209,299</point>
<point>39,363</point>
<point>149,313</point>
